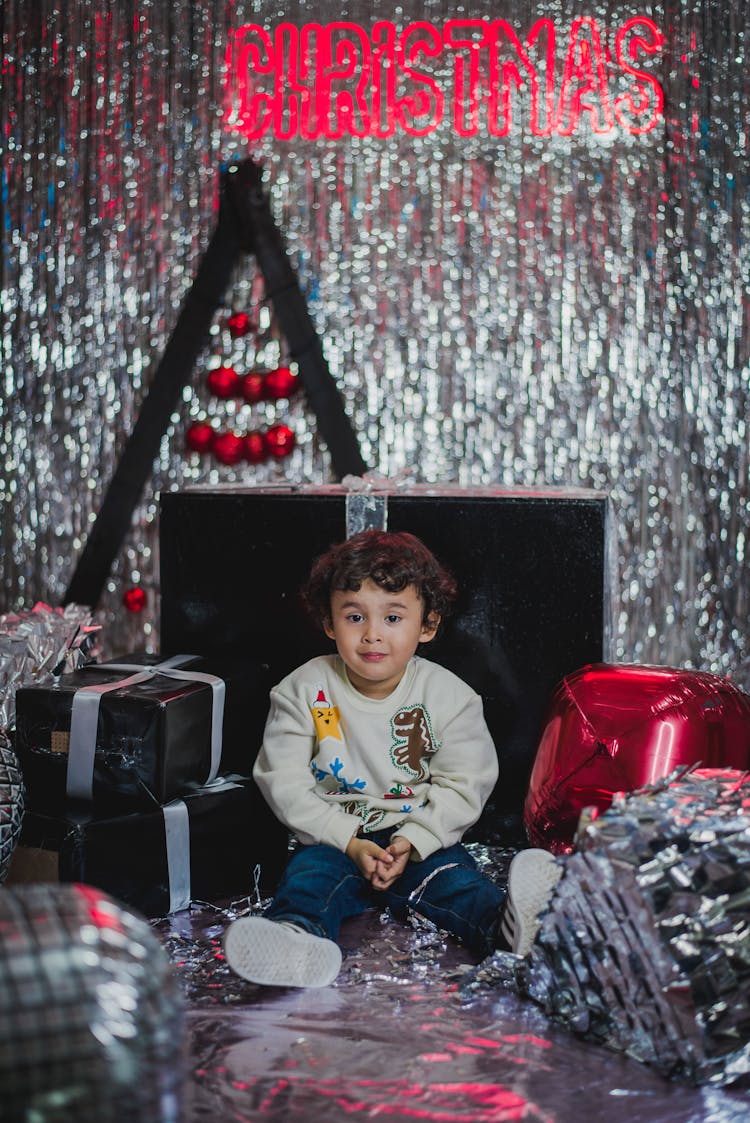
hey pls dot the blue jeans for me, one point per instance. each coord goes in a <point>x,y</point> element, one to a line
<point>321,886</point>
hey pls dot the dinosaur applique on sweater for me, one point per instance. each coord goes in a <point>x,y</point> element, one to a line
<point>413,740</point>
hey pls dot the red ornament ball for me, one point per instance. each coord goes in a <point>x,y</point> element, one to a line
<point>134,599</point>
<point>239,324</point>
<point>252,387</point>
<point>280,383</point>
<point>228,448</point>
<point>255,448</point>
<point>279,441</point>
<point>224,382</point>
<point>199,437</point>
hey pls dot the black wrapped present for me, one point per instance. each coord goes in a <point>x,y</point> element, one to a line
<point>533,568</point>
<point>133,732</point>
<point>217,843</point>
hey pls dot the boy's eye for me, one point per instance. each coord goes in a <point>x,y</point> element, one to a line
<point>355,617</point>
<point>392,619</point>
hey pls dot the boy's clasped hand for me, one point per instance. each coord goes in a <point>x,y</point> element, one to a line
<point>380,867</point>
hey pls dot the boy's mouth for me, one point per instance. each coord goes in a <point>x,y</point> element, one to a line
<point>372,656</point>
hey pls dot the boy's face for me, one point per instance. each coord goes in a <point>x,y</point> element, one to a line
<point>376,634</point>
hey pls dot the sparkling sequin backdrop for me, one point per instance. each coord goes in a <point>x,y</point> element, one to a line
<point>520,310</point>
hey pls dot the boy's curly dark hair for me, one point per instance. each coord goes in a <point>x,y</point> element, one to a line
<point>392,559</point>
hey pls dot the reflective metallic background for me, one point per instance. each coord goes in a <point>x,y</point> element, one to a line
<point>519,310</point>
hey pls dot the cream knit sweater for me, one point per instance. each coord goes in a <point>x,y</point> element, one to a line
<point>419,763</point>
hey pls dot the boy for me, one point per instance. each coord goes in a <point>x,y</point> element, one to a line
<point>379,761</point>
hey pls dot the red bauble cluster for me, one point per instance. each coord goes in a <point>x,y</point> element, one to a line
<point>279,441</point>
<point>200,437</point>
<point>279,383</point>
<point>224,382</point>
<point>241,324</point>
<point>257,386</point>
<point>134,599</point>
<point>255,447</point>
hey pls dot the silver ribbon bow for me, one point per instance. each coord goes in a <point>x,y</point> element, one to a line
<point>367,500</point>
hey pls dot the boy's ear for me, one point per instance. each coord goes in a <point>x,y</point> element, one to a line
<point>328,629</point>
<point>430,627</point>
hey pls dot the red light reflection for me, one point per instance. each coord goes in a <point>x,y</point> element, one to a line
<point>459,1102</point>
<point>100,909</point>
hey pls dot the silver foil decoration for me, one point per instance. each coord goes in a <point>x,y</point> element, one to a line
<point>520,311</point>
<point>386,949</point>
<point>39,645</point>
<point>11,804</point>
<point>90,1014</point>
<point>646,945</point>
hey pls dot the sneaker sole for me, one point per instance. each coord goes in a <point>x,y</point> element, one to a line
<point>532,877</point>
<point>267,952</point>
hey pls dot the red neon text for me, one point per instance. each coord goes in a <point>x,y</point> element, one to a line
<point>337,79</point>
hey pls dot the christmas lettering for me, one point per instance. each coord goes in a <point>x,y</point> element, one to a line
<point>337,79</point>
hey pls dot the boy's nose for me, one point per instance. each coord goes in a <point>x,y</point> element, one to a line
<point>371,634</point>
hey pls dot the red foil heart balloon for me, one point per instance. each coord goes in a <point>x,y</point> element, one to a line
<point>613,728</point>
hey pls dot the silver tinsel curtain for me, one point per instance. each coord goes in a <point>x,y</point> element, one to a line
<point>537,310</point>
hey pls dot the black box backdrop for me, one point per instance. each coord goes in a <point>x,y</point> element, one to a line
<point>533,605</point>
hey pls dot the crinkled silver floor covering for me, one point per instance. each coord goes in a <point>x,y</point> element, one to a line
<point>397,1037</point>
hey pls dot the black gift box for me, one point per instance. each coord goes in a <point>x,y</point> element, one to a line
<point>231,833</point>
<point>533,569</point>
<point>153,740</point>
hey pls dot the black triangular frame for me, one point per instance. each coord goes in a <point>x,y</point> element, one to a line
<point>245,223</point>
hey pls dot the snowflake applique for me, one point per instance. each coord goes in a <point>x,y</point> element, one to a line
<point>336,771</point>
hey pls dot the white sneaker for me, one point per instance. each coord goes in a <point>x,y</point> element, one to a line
<point>532,878</point>
<point>278,954</point>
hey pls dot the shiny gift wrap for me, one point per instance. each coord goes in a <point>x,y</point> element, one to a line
<point>11,804</point>
<point>150,740</point>
<point>646,946</point>
<point>615,728</point>
<point>90,1012</point>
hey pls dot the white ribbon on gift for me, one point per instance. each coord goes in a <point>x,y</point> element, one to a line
<point>177,837</point>
<point>85,717</point>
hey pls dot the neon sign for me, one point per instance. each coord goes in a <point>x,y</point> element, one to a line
<point>476,75</point>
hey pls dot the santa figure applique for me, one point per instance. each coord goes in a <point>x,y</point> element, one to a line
<point>326,717</point>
